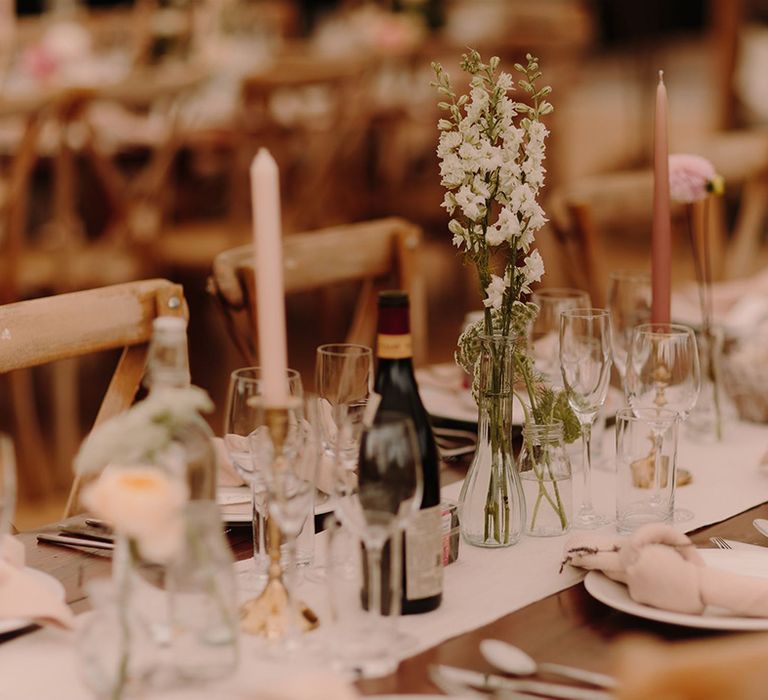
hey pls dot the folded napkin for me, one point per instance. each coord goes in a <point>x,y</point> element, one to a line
<point>227,474</point>
<point>662,568</point>
<point>23,595</point>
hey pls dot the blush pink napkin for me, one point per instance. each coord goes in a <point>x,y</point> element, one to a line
<point>23,595</point>
<point>663,569</point>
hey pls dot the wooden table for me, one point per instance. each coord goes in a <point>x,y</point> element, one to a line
<point>568,627</point>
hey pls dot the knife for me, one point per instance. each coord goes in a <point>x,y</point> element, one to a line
<point>74,541</point>
<point>489,681</point>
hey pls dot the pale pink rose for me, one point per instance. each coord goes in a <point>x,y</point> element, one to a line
<point>143,503</point>
<point>692,178</point>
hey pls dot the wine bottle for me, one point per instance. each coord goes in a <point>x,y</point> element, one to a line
<point>395,385</point>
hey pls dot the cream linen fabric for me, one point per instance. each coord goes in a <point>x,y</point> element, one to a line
<point>23,596</point>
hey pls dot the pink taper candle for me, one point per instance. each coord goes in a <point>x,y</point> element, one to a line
<point>661,243</point>
<point>268,266</point>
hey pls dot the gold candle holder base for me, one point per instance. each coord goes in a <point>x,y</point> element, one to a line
<point>269,614</point>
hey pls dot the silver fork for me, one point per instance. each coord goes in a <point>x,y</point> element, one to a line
<point>720,543</point>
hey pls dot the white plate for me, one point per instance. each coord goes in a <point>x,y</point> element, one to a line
<point>45,579</point>
<point>615,595</point>
<point>444,397</point>
<point>239,498</point>
<point>452,404</point>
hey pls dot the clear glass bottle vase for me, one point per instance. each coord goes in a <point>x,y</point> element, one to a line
<point>203,598</point>
<point>491,503</point>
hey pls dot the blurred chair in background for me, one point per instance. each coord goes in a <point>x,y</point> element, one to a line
<point>600,219</point>
<point>371,256</point>
<point>50,329</point>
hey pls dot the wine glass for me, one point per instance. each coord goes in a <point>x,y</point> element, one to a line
<point>629,301</point>
<point>288,468</point>
<point>663,373</point>
<point>585,362</point>
<point>7,486</point>
<point>545,328</point>
<point>343,374</point>
<point>243,416</point>
<point>387,495</point>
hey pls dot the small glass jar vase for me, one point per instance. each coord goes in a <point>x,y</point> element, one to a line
<point>203,598</point>
<point>545,472</point>
<point>491,503</point>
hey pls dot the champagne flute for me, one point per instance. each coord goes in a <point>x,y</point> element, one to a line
<point>585,362</point>
<point>629,301</point>
<point>243,416</point>
<point>388,493</point>
<point>545,328</point>
<point>663,373</point>
<point>343,373</point>
<point>7,486</point>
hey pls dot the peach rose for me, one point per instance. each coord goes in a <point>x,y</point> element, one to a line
<point>143,503</point>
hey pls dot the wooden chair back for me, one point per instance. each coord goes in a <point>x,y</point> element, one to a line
<point>377,254</point>
<point>48,329</point>
<point>586,214</point>
<point>313,113</point>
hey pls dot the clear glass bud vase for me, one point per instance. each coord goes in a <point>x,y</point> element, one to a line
<point>709,418</point>
<point>491,503</point>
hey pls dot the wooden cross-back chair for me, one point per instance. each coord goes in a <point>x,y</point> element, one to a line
<point>313,113</point>
<point>586,213</point>
<point>74,132</point>
<point>378,255</point>
<point>49,329</point>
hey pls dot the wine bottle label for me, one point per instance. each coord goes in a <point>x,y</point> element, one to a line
<point>424,555</point>
<point>394,347</point>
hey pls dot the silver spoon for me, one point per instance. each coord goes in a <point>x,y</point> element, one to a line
<point>761,525</point>
<point>514,661</point>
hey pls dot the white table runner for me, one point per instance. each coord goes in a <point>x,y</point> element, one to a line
<point>482,586</point>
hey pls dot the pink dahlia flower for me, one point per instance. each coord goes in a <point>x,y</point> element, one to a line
<point>692,178</point>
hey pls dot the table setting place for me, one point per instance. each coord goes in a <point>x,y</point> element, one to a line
<point>341,541</point>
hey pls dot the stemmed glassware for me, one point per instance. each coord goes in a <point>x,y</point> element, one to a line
<point>545,329</point>
<point>663,373</point>
<point>243,415</point>
<point>343,375</point>
<point>585,362</point>
<point>387,494</point>
<point>289,476</point>
<point>629,301</point>
<point>7,485</point>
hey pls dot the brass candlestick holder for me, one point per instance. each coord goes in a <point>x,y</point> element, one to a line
<point>268,615</point>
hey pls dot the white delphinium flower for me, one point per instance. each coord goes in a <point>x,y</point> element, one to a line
<point>533,270</point>
<point>494,292</point>
<point>472,204</point>
<point>491,151</point>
